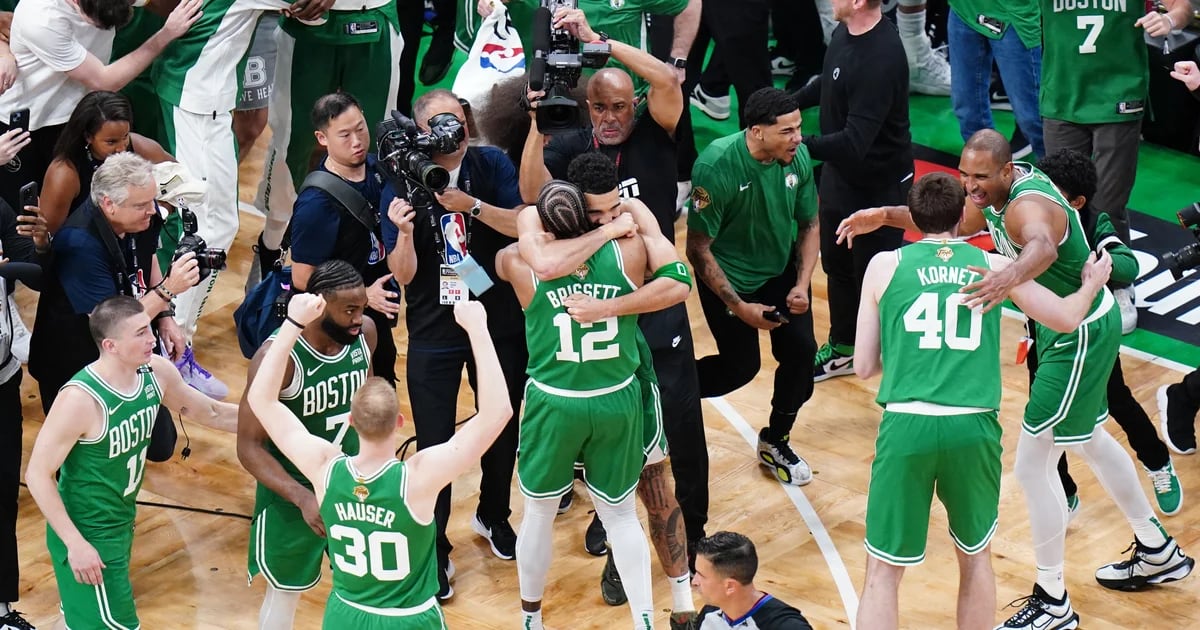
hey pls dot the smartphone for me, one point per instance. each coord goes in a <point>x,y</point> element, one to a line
<point>776,316</point>
<point>29,197</point>
<point>19,119</point>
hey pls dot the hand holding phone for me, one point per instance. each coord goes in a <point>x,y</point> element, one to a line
<point>29,198</point>
<point>776,316</point>
<point>19,119</point>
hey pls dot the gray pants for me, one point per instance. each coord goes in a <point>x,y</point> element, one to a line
<point>1114,149</point>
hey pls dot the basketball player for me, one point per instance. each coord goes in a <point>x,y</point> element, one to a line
<point>96,436</point>
<point>583,402</point>
<point>333,358</point>
<point>939,431</point>
<point>1032,224</point>
<point>377,511</point>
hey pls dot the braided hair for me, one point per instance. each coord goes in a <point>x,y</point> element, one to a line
<point>332,276</point>
<point>561,207</point>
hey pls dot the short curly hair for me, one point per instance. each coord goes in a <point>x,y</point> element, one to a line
<point>107,14</point>
<point>593,172</point>
<point>1073,172</point>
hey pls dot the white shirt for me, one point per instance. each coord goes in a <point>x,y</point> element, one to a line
<point>50,38</point>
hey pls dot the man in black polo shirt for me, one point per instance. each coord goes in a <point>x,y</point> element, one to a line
<point>478,212</point>
<point>726,563</point>
<point>640,139</point>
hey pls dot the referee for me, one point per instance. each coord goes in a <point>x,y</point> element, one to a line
<point>753,239</point>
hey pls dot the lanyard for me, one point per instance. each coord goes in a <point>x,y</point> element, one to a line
<point>617,161</point>
<point>435,218</point>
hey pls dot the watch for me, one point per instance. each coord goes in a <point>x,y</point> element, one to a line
<point>602,37</point>
<point>477,208</point>
<point>679,62</point>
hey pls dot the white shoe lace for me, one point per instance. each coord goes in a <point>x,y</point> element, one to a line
<point>1161,480</point>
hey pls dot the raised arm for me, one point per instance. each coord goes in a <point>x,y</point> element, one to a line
<point>402,259</point>
<point>308,452</point>
<point>95,75</point>
<point>178,396</point>
<point>432,468</point>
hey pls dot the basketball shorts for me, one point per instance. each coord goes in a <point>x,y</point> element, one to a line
<point>284,549</point>
<point>102,606</point>
<point>341,614</point>
<point>916,456</point>
<point>654,441</point>
<point>1070,389</point>
<point>602,429</point>
<point>259,75</point>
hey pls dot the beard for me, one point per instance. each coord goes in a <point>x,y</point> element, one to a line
<point>339,334</point>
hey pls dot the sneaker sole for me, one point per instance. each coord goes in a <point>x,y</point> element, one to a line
<point>1160,397</point>
<point>781,472</point>
<point>714,114</point>
<point>1139,582</point>
<point>487,534</point>
<point>928,89</point>
<point>824,376</point>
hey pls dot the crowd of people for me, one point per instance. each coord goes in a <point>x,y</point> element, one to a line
<point>546,267</point>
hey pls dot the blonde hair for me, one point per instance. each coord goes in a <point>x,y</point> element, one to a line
<point>374,409</point>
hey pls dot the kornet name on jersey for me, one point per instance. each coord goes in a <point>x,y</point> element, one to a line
<point>945,275</point>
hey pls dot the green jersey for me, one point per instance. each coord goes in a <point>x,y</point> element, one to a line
<point>100,477</point>
<point>381,556</point>
<point>319,395</point>
<point>934,349</point>
<point>751,210</point>
<point>991,19</point>
<point>1095,65</point>
<point>567,355</point>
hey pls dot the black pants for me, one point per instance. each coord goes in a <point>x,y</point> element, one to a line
<point>1189,387</point>
<point>683,424</point>
<point>433,378</point>
<point>1125,409</point>
<point>30,164</point>
<point>739,30</point>
<point>844,266</point>
<point>411,14</point>
<point>10,486</point>
<point>383,360</point>
<point>737,360</point>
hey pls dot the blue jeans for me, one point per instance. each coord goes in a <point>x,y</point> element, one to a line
<point>971,56</point>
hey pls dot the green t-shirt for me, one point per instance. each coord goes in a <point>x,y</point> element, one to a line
<point>924,326</point>
<point>751,210</point>
<point>1022,15</point>
<point>1095,65</point>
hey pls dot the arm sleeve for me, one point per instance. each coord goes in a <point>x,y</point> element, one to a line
<point>51,42</point>
<point>709,198</point>
<point>83,268</point>
<point>1125,264</point>
<point>315,223</point>
<point>868,103</point>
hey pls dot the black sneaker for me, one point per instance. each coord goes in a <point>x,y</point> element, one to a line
<point>611,589</point>
<point>1146,567</point>
<point>500,534</point>
<point>1039,611</point>
<point>595,541</point>
<point>565,503</point>
<point>445,591</point>
<point>14,621</point>
<point>1178,420</point>
<point>437,59</point>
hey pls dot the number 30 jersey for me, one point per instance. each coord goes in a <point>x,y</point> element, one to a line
<point>935,349</point>
<point>565,354</point>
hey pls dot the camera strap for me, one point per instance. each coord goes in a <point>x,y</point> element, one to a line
<point>464,177</point>
<point>115,253</point>
<point>345,194</point>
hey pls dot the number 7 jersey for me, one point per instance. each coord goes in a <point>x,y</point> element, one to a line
<point>935,349</point>
<point>1094,61</point>
<point>565,354</point>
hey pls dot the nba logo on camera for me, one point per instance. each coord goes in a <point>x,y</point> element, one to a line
<point>454,233</point>
<point>502,58</point>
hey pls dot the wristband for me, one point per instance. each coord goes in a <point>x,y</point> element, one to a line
<point>170,312</point>
<point>675,271</point>
<point>293,322</point>
<point>164,293</point>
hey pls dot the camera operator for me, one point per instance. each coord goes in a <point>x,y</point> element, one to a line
<point>341,129</point>
<point>639,137</point>
<point>105,248</point>
<point>475,216</point>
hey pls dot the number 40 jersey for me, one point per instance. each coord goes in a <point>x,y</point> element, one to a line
<point>935,349</point>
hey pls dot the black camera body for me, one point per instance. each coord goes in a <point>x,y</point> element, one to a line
<point>558,61</point>
<point>406,153</point>
<point>208,259</point>
<point>1187,257</point>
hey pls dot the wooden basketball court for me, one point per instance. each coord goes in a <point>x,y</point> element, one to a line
<point>189,568</point>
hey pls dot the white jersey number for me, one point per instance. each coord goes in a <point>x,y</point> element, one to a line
<point>341,422</point>
<point>372,554</point>
<point>590,348</point>
<point>136,466</point>
<point>1093,24</point>
<point>922,317</point>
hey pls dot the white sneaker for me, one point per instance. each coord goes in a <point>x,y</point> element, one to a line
<point>1129,315</point>
<point>1145,567</point>
<point>715,107</point>
<point>782,67</point>
<point>929,75</point>
<point>683,192</point>
<point>1040,612</point>
<point>783,461</point>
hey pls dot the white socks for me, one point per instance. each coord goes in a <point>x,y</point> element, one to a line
<point>631,554</point>
<point>912,35</point>
<point>681,593</point>
<point>1051,581</point>
<point>278,610</point>
<point>535,546</point>
<point>1037,470</point>
<point>1114,469</point>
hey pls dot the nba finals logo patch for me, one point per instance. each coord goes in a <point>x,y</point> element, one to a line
<point>791,180</point>
<point>582,271</point>
<point>361,493</point>
<point>700,198</point>
<point>502,58</point>
<point>945,253</point>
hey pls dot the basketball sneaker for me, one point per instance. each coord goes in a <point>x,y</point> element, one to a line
<point>782,460</point>
<point>565,503</point>
<point>500,535</point>
<point>15,621</point>
<point>929,74</point>
<point>445,591</point>
<point>1039,611</point>
<point>833,360</point>
<point>1177,418</point>
<point>199,378</point>
<point>715,107</point>
<point>1145,567</point>
<point>611,589</point>
<point>1129,313</point>
<point>595,539</point>
<point>1167,490</point>
<point>782,66</point>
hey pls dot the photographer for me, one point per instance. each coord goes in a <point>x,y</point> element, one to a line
<point>105,248</point>
<point>639,137</point>
<point>318,215</point>
<point>472,217</point>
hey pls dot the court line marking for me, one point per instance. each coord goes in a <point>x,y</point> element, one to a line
<point>824,542</point>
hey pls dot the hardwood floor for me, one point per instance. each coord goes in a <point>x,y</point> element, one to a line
<point>188,568</point>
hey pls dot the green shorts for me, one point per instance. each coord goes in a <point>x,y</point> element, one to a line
<point>284,548</point>
<point>602,430</point>
<point>916,455</point>
<point>1070,388</point>
<point>106,605</point>
<point>654,441</point>
<point>343,615</point>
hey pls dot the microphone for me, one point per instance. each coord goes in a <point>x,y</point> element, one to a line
<point>541,48</point>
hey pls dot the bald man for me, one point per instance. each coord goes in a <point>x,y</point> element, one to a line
<point>638,135</point>
<point>1034,225</point>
